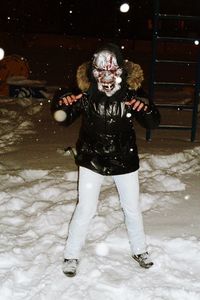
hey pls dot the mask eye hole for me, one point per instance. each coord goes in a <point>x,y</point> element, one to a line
<point>103,70</point>
<point>113,71</point>
<point>99,70</point>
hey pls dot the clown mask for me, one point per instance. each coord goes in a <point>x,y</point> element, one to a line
<point>107,72</point>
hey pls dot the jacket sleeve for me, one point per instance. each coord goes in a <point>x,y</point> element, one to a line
<point>65,114</point>
<point>149,119</point>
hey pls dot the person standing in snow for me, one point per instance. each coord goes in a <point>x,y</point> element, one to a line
<point>110,98</point>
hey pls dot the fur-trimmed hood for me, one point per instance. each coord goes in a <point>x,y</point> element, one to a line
<point>134,75</point>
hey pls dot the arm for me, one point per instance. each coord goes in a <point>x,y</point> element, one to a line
<point>65,107</point>
<point>149,119</point>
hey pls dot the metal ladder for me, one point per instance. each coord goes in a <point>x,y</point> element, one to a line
<point>155,61</point>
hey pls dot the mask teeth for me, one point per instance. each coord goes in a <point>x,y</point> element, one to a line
<point>108,86</point>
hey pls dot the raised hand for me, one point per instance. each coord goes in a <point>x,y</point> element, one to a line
<point>68,100</point>
<point>137,105</point>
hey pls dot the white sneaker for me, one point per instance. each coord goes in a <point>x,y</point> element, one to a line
<point>143,260</point>
<point>69,267</point>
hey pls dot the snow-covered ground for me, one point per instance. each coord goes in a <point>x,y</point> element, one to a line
<point>36,205</point>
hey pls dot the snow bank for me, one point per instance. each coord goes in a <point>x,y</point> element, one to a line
<point>36,207</point>
<point>15,122</point>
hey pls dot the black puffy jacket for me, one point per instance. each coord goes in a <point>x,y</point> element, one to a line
<point>107,141</point>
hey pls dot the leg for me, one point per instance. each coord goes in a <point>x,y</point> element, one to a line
<point>128,188</point>
<point>89,189</point>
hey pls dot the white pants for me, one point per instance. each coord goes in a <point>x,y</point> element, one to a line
<point>89,189</point>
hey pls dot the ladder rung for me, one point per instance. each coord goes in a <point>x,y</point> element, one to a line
<point>167,105</point>
<point>175,61</point>
<point>176,38</point>
<point>173,83</point>
<point>178,17</point>
<point>175,127</point>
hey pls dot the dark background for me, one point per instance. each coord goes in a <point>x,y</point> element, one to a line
<point>56,36</point>
<point>93,18</point>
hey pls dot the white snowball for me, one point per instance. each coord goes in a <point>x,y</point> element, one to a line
<point>60,115</point>
<point>128,115</point>
<point>2,53</point>
<point>118,80</point>
<point>102,249</point>
<point>124,8</point>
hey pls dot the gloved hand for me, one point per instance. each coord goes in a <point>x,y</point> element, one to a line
<point>137,105</point>
<point>68,100</point>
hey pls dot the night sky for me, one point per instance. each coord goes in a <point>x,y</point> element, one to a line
<point>96,18</point>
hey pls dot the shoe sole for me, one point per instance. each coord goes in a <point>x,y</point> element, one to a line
<point>70,274</point>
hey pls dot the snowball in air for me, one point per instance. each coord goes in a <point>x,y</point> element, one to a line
<point>102,249</point>
<point>118,80</point>
<point>1,53</point>
<point>60,115</point>
<point>124,8</point>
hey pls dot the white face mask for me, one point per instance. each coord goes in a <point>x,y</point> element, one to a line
<point>107,72</point>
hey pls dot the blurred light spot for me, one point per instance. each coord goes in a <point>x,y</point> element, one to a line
<point>102,249</point>
<point>2,53</point>
<point>124,8</point>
